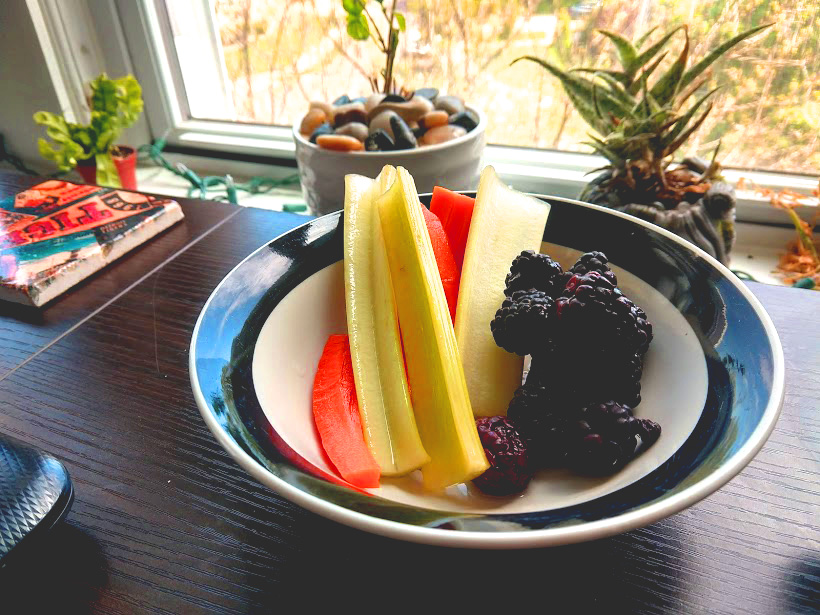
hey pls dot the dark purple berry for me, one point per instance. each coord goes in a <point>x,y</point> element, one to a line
<point>595,316</point>
<point>509,470</point>
<point>541,422</point>
<point>605,437</point>
<point>594,261</point>
<point>533,270</point>
<point>521,325</point>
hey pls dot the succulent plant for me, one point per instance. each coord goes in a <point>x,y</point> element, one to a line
<point>641,120</point>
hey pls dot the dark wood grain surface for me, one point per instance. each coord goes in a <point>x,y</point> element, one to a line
<point>165,522</point>
<point>25,330</point>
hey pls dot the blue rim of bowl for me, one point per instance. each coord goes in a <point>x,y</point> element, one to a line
<point>608,515</point>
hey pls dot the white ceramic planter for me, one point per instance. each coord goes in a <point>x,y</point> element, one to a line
<point>455,164</point>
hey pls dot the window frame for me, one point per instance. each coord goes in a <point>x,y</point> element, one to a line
<point>147,40</point>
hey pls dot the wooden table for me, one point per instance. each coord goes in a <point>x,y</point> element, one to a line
<point>165,522</point>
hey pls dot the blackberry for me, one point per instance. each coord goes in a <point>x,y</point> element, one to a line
<point>510,469</point>
<point>575,379</point>
<point>533,270</point>
<point>623,382</point>
<point>541,423</point>
<point>641,323</point>
<point>521,325</point>
<point>605,437</point>
<point>594,261</point>
<point>595,316</point>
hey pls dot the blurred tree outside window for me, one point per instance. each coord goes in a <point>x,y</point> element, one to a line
<point>281,54</point>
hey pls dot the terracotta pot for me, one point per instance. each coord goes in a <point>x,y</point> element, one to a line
<point>88,170</point>
<point>125,161</point>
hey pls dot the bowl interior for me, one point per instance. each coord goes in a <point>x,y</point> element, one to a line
<point>291,342</point>
<point>713,380</point>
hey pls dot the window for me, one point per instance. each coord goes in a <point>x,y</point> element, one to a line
<point>261,61</point>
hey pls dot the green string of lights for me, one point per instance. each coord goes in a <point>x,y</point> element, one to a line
<point>213,183</point>
<point>201,185</point>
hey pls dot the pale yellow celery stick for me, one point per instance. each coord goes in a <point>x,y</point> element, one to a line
<point>375,345</point>
<point>505,222</point>
<point>437,386</point>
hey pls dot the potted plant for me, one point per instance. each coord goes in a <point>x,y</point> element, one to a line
<point>436,137</point>
<point>115,105</point>
<point>641,120</point>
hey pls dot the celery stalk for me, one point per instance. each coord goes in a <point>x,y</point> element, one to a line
<point>437,386</point>
<point>505,222</point>
<point>375,344</point>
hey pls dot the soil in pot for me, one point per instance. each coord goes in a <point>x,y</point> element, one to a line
<point>690,202</point>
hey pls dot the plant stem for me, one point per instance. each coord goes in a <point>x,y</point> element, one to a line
<point>804,237</point>
<point>380,41</point>
<point>392,43</point>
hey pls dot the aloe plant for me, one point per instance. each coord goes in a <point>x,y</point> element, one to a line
<point>115,104</point>
<point>641,119</point>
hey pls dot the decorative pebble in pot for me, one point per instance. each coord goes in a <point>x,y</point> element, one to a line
<point>436,137</point>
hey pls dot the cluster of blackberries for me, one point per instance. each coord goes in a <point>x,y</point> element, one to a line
<point>587,341</point>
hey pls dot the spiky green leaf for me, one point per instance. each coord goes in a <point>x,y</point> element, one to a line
<point>579,91</point>
<point>651,52</point>
<point>617,75</point>
<point>716,53</point>
<point>669,84</point>
<point>683,121</point>
<point>644,37</point>
<point>647,72</point>
<point>601,148</point>
<point>616,88</point>
<point>673,147</point>
<point>626,51</point>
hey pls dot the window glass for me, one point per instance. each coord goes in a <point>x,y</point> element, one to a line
<point>276,55</point>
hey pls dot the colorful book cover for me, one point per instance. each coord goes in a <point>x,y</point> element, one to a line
<point>57,233</point>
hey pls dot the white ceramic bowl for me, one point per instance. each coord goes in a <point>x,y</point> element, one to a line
<point>455,164</point>
<point>713,378</point>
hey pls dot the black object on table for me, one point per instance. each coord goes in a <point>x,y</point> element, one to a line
<point>35,493</point>
<point>164,521</point>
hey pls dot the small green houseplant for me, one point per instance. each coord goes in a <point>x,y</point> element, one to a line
<point>640,120</point>
<point>115,105</point>
<point>361,26</point>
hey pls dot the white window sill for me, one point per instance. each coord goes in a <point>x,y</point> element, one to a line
<point>756,253</point>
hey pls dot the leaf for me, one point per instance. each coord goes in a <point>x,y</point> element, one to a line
<point>626,52</point>
<point>119,100</point>
<point>106,171</point>
<point>650,53</point>
<point>579,91</point>
<point>636,85</point>
<point>601,148</point>
<point>619,76</point>
<point>684,119</point>
<point>352,7</point>
<point>595,106</point>
<point>667,87</point>
<point>357,27</point>
<point>672,147</point>
<point>716,53</point>
<point>400,19</point>
<point>644,37</point>
<point>616,88</point>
